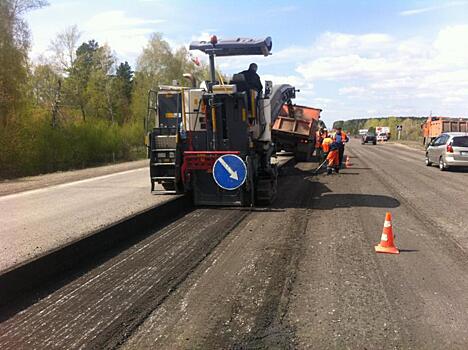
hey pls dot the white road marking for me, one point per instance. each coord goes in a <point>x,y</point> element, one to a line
<point>68,184</point>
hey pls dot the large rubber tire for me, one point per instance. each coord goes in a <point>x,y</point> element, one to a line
<point>168,186</point>
<point>300,156</point>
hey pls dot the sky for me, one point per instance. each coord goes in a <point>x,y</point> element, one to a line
<point>353,59</point>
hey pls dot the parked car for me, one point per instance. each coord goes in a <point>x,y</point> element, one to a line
<point>369,137</point>
<point>448,150</point>
<point>382,137</point>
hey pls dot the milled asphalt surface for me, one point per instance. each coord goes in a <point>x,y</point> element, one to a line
<point>300,274</point>
<point>38,220</point>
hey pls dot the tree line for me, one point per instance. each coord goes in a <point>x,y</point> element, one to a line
<point>411,126</point>
<point>77,106</point>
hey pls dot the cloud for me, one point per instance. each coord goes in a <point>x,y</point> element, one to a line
<point>349,75</point>
<point>340,43</point>
<point>352,90</point>
<point>297,81</point>
<point>126,35</point>
<point>432,8</point>
<point>408,76</point>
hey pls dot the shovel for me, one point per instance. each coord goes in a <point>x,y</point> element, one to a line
<point>319,167</point>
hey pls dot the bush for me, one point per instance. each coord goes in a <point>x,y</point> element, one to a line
<point>34,147</point>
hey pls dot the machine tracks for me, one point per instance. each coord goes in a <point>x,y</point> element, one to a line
<point>239,262</point>
<point>102,307</point>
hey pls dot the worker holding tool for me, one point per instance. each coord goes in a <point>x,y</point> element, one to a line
<point>333,161</point>
<point>340,138</point>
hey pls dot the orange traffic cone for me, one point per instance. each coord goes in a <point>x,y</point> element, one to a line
<point>348,163</point>
<point>386,244</point>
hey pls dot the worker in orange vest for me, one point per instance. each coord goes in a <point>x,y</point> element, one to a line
<point>326,143</point>
<point>333,160</point>
<point>340,138</point>
<point>319,135</point>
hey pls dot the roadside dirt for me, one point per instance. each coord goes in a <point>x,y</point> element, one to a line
<point>410,145</point>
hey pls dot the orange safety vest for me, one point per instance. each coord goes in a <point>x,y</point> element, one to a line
<point>344,137</point>
<point>333,158</point>
<point>318,139</point>
<point>326,144</point>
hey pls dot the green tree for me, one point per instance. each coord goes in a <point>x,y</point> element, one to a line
<point>159,65</point>
<point>87,85</point>
<point>124,74</point>
<point>44,82</point>
<point>14,44</point>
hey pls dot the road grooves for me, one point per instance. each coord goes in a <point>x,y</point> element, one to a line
<point>151,266</point>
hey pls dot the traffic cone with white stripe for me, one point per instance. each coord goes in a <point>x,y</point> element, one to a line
<point>386,244</point>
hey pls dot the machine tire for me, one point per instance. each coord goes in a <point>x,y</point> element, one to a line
<point>169,186</point>
<point>374,142</point>
<point>304,156</point>
<point>310,152</point>
<point>299,156</point>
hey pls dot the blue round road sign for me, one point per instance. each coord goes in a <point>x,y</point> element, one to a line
<point>229,171</point>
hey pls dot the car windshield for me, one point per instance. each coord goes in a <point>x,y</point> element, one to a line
<point>460,141</point>
<point>370,134</point>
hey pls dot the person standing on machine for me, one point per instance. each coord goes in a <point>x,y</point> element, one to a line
<point>252,78</point>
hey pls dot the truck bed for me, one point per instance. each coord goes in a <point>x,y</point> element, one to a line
<point>437,125</point>
<point>294,127</point>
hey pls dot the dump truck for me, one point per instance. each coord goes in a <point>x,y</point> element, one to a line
<point>295,130</point>
<point>434,126</point>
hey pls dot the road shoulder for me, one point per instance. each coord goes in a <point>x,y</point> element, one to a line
<point>29,183</point>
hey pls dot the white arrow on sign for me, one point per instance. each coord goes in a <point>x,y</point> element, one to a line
<point>232,173</point>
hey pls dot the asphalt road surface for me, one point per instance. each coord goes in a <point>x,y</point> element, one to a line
<point>299,274</point>
<point>68,206</point>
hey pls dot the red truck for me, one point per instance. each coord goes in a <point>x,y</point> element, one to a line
<point>295,128</point>
<point>434,126</point>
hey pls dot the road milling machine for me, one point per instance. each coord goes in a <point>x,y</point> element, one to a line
<point>215,141</point>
